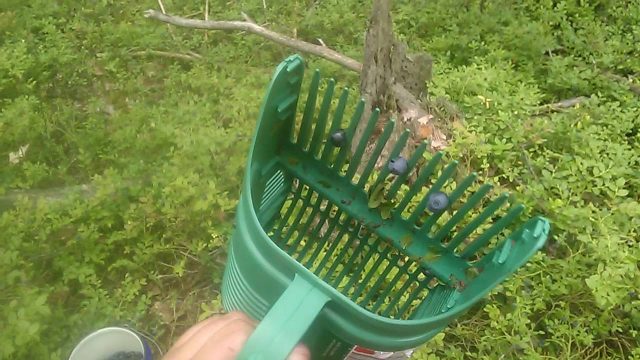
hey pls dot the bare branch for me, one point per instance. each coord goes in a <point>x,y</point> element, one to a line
<point>247,18</point>
<point>562,104</point>
<point>168,27</point>
<point>621,79</point>
<point>162,6</point>
<point>306,47</point>
<point>206,17</point>
<point>191,56</point>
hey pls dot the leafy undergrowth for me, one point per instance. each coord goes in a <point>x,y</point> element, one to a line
<point>161,144</point>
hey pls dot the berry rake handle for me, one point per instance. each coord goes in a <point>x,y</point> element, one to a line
<point>285,324</point>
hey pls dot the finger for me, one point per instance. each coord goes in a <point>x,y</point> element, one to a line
<point>300,352</point>
<point>218,317</point>
<point>189,346</point>
<point>227,343</point>
<point>194,329</point>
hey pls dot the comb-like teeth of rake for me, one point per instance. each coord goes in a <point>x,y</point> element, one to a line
<point>309,110</point>
<point>344,151</point>
<point>362,144</point>
<point>460,214</point>
<point>494,230</point>
<point>417,155</point>
<point>461,235</point>
<point>308,223</point>
<point>420,181</point>
<point>439,183</point>
<point>382,141</point>
<point>397,148</point>
<point>453,197</point>
<point>335,124</point>
<point>319,131</point>
<point>323,239</point>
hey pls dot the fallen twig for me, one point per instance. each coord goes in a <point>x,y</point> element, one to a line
<point>562,104</point>
<point>168,27</point>
<point>206,18</point>
<point>247,26</point>
<point>191,56</point>
<point>247,18</point>
<point>632,87</point>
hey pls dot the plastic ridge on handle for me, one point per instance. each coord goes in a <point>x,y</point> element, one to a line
<point>285,323</point>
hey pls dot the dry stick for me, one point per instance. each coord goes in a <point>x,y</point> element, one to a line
<point>632,87</point>
<point>206,18</point>
<point>190,57</point>
<point>247,18</point>
<point>317,50</point>
<point>407,101</point>
<point>562,104</point>
<point>404,97</point>
<point>168,27</point>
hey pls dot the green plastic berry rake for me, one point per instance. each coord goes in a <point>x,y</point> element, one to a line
<point>330,251</point>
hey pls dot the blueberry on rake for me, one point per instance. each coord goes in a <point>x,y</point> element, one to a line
<point>398,166</point>
<point>437,202</point>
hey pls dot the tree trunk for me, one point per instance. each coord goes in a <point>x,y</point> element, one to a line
<point>395,83</point>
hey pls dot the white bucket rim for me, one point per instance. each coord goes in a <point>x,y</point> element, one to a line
<point>106,330</point>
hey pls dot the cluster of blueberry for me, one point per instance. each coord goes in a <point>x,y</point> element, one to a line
<point>126,355</point>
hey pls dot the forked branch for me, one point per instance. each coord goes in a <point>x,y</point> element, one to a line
<point>250,27</point>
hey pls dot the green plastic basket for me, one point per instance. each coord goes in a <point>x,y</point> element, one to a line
<point>329,251</point>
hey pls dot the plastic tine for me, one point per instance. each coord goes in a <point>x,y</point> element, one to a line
<point>422,179</point>
<point>335,124</point>
<point>371,272</point>
<point>462,212</point>
<point>398,294</point>
<point>303,208</point>
<point>285,219</point>
<point>412,297</point>
<point>314,212</point>
<point>391,264</point>
<point>389,289</point>
<point>355,120</point>
<point>355,275</point>
<point>453,197</point>
<point>402,141</point>
<point>494,230</point>
<point>357,156</point>
<point>321,221</point>
<point>411,164</point>
<point>477,221</point>
<point>321,124</point>
<point>382,141</point>
<point>347,268</point>
<point>309,109</point>
<point>324,239</point>
<point>439,183</point>
<point>353,235</point>
<point>334,244</point>
<point>357,252</point>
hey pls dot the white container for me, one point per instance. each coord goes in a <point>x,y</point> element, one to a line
<point>106,342</point>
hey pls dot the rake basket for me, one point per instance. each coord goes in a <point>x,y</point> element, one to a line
<point>332,251</point>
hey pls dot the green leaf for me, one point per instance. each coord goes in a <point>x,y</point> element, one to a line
<point>376,197</point>
<point>406,240</point>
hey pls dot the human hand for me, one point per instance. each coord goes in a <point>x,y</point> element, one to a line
<point>220,337</point>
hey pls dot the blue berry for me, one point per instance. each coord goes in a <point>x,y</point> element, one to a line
<point>398,166</point>
<point>126,355</point>
<point>437,202</point>
<point>338,138</point>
